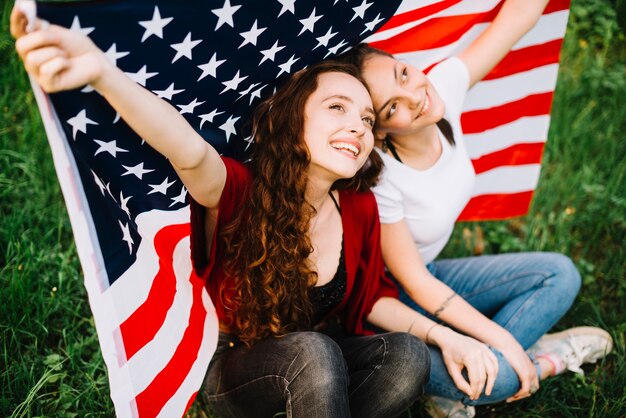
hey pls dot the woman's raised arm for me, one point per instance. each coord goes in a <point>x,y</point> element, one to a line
<point>61,59</point>
<point>515,19</point>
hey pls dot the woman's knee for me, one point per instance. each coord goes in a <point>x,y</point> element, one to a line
<point>567,277</point>
<point>317,359</point>
<point>409,358</point>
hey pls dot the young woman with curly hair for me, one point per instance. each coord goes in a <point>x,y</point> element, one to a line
<point>498,306</point>
<point>289,246</point>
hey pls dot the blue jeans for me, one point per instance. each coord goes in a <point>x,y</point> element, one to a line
<point>525,293</point>
<point>311,374</point>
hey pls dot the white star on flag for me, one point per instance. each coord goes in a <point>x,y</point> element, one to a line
<point>323,40</point>
<point>126,236</point>
<point>270,54</point>
<point>137,170</point>
<point>208,117</point>
<point>112,54</point>
<point>180,198</point>
<point>256,94</point>
<point>183,49</point>
<point>154,26</point>
<point>168,93</point>
<point>248,90</point>
<point>161,188</point>
<point>288,5</point>
<point>286,67</point>
<point>232,84</point>
<point>141,76</point>
<point>79,123</point>
<point>309,22</point>
<point>76,27</point>
<point>335,49</point>
<point>98,182</point>
<point>189,108</point>
<point>360,10</point>
<point>124,203</point>
<point>249,140</point>
<point>229,127</point>
<point>110,147</point>
<point>210,68</point>
<point>369,26</point>
<point>225,15</point>
<point>250,37</point>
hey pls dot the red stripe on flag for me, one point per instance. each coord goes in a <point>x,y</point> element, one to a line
<point>440,31</point>
<point>526,59</point>
<point>519,154</point>
<point>556,6</point>
<point>496,206</point>
<point>477,121</point>
<point>140,328</point>
<point>167,381</point>
<point>417,14</point>
<point>434,33</point>
<point>191,400</point>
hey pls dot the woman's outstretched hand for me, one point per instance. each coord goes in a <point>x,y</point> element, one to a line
<point>462,352</point>
<point>58,58</point>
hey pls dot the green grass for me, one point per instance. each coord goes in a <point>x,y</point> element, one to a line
<point>51,364</point>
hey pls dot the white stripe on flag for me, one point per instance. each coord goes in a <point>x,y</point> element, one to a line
<point>469,7</point>
<point>198,371</point>
<point>530,129</point>
<point>156,354</point>
<point>507,179</point>
<point>425,58</point>
<point>550,27</point>
<point>131,289</point>
<point>490,93</point>
<point>463,8</point>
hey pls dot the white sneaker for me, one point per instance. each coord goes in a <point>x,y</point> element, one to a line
<point>438,407</point>
<point>574,347</point>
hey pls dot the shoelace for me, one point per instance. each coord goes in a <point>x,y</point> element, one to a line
<point>577,357</point>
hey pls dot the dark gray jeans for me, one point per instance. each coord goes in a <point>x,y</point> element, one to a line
<point>311,374</point>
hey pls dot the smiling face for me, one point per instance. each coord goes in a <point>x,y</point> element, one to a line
<point>338,124</point>
<point>404,99</point>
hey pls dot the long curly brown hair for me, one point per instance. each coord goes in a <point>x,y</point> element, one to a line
<point>268,243</point>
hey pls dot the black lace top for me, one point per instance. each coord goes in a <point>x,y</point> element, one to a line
<point>325,298</point>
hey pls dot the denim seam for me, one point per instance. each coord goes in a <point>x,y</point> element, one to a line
<point>385,349</point>
<point>522,308</point>
<point>493,284</point>
<point>219,395</point>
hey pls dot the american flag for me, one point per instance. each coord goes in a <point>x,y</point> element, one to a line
<point>214,60</point>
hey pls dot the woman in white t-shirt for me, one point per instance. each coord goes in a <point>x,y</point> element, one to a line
<point>501,304</point>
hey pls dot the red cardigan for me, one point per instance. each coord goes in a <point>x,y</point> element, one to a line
<point>366,282</point>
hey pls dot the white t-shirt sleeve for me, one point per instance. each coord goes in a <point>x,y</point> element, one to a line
<point>451,80</point>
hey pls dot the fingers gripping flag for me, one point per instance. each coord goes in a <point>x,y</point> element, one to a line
<point>214,61</point>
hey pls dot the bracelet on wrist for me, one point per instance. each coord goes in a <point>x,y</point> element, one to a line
<point>426,339</point>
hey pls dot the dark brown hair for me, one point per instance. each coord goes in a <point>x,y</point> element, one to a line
<point>268,243</point>
<point>357,57</point>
